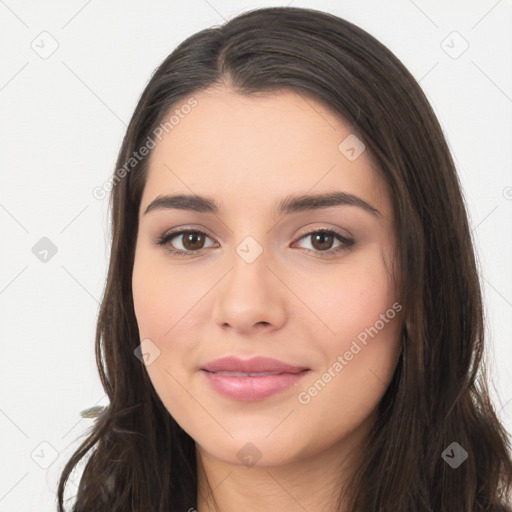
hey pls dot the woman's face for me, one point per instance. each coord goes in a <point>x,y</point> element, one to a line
<point>260,280</point>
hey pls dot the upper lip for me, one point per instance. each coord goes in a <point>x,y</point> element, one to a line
<point>254,365</point>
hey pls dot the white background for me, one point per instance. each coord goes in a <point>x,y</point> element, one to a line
<point>62,119</point>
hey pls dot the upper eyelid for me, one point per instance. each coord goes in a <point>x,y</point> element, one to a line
<point>309,231</point>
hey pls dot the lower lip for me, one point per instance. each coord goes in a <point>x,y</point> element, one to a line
<point>252,388</point>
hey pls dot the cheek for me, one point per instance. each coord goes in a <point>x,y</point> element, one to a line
<point>162,294</point>
<point>361,357</point>
<point>165,301</point>
<point>159,303</point>
<point>349,297</point>
<point>352,384</point>
<point>361,310</point>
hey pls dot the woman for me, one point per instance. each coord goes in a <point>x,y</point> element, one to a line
<point>292,317</point>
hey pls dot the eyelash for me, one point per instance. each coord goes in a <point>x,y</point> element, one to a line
<point>346,243</point>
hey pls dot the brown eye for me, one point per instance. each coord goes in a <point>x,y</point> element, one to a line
<point>191,241</point>
<point>322,241</point>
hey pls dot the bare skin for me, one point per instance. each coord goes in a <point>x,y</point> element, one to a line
<point>291,302</point>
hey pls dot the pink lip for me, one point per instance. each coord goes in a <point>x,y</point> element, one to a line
<point>274,376</point>
<point>254,365</point>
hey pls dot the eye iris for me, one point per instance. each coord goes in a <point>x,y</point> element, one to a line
<point>322,236</point>
<point>192,238</point>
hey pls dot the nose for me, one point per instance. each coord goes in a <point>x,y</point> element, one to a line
<point>250,297</point>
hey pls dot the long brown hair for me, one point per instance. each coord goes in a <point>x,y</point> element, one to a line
<point>138,457</point>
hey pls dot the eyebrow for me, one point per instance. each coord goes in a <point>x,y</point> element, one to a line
<point>290,204</point>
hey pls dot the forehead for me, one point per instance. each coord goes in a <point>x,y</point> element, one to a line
<point>245,149</point>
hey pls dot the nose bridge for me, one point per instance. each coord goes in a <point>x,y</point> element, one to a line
<point>250,272</point>
<point>250,293</point>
